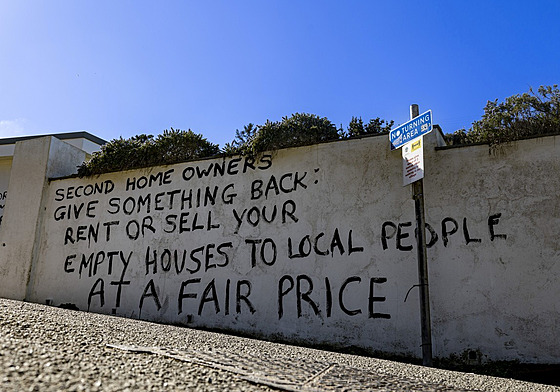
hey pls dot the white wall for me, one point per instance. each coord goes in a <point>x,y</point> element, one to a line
<point>5,166</point>
<point>83,144</point>
<point>316,244</point>
<point>35,161</point>
<point>6,157</point>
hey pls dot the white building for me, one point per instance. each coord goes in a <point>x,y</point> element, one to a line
<point>82,140</point>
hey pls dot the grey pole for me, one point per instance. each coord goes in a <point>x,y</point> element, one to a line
<point>418,196</point>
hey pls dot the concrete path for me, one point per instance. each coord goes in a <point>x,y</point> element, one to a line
<point>49,349</point>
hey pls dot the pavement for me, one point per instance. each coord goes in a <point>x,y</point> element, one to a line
<point>44,348</point>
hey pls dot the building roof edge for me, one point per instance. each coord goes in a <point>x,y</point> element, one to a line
<point>61,136</point>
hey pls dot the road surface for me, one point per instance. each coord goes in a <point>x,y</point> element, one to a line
<point>44,348</point>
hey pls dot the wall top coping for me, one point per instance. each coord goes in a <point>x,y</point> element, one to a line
<point>61,136</point>
<point>449,147</point>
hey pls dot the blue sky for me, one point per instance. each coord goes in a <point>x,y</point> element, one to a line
<point>120,68</point>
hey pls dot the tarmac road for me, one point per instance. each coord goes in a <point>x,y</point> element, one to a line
<point>49,349</point>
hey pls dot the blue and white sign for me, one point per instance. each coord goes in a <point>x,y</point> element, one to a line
<point>411,130</point>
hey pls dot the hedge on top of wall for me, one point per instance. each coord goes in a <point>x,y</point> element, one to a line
<point>519,116</point>
<point>175,145</point>
<point>172,146</point>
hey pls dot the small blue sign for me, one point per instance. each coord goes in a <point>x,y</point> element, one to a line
<point>411,130</point>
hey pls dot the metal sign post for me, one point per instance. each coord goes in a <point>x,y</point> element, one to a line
<point>410,134</point>
<point>418,196</point>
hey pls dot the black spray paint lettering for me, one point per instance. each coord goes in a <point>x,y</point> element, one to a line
<point>287,183</point>
<point>493,220</point>
<point>158,179</point>
<point>322,247</point>
<point>372,299</point>
<point>343,307</point>
<point>76,211</point>
<point>267,251</point>
<point>404,238</point>
<point>447,231</point>
<point>119,284</point>
<point>182,199</point>
<point>81,233</point>
<point>433,235</point>
<point>201,258</point>
<point>190,290</point>
<point>253,215</point>
<point>283,291</point>
<point>89,233</point>
<point>401,234</point>
<point>304,287</point>
<point>390,230</point>
<point>92,263</point>
<point>141,227</point>
<point>150,291</point>
<point>450,226</point>
<point>72,192</point>
<point>466,234</point>
<point>185,222</point>
<point>230,167</point>
<point>133,228</point>
<point>98,288</point>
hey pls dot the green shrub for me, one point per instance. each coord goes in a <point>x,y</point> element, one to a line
<point>519,116</point>
<point>300,129</point>
<point>176,146</point>
<point>374,127</point>
<point>144,151</point>
<point>297,130</point>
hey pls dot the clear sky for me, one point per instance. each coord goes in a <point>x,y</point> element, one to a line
<point>120,68</point>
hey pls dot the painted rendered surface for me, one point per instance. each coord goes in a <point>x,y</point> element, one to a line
<point>7,151</point>
<point>317,244</point>
<point>5,167</point>
<point>34,162</point>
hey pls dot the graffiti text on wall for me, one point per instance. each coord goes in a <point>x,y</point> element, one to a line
<point>3,196</point>
<point>184,235</point>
